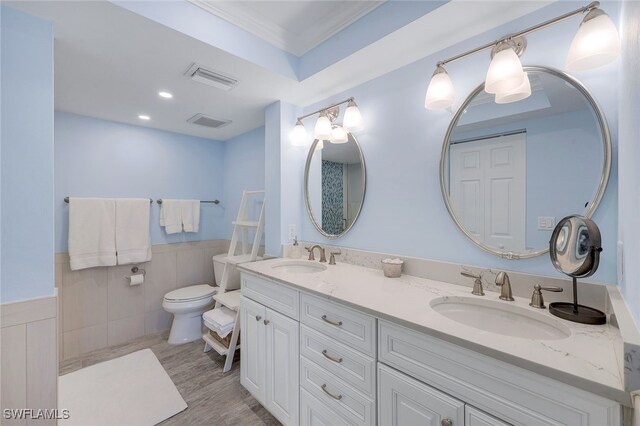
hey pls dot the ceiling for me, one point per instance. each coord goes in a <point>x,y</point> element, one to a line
<point>294,26</point>
<point>110,62</point>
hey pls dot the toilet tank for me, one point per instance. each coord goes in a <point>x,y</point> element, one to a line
<point>233,282</point>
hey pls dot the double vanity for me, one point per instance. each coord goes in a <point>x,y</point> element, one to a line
<point>342,344</point>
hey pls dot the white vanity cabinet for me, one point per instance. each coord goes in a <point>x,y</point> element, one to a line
<point>269,359</point>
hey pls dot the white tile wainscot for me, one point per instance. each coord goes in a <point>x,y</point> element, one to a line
<point>98,307</point>
<point>425,368</point>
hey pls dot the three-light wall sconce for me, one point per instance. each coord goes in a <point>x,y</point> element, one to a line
<point>325,129</point>
<point>596,43</point>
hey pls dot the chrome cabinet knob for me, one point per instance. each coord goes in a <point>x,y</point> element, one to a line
<point>258,317</point>
<point>266,322</point>
<point>446,422</point>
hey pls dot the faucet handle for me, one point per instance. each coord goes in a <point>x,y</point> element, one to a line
<point>310,250</point>
<point>332,258</point>
<point>537,301</point>
<point>477,284</point>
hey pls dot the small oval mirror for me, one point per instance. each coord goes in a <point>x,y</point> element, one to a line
<point>334,185</point>
<point>575,246</point>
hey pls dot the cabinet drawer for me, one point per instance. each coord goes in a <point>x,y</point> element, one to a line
<point>475,417</point>
<point>351,366</point>
<point>404,401</point>
<point>512,394</point>
<point>336,394</point>
<point>276,296</point>
<point>315,413</point>
<point>346,325</point>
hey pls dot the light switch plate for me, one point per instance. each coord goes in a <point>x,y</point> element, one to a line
<point>546,223</point>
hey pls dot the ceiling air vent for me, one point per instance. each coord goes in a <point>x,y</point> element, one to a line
<point>209,77</point>
<point>205,120</point>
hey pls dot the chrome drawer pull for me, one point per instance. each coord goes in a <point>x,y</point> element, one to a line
<point>336,323</point>
<point>324,388</point>
<point>329,357</point>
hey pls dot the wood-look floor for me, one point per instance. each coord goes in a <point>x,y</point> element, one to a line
<point>213,398</point>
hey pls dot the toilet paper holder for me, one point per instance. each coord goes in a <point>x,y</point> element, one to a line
<point>136,270</point>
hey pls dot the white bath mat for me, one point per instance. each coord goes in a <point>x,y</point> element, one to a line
<point>131,390</point>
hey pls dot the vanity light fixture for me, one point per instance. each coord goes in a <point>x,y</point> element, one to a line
<point>596,43</point>
<point>165,95</point>
<point>324,129</point>
<point>298,135</point>
<point>519,93</point>
<point>339,135</point>
<point>144,117</point>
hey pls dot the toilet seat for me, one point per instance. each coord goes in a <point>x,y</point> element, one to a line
<point>191,293</point>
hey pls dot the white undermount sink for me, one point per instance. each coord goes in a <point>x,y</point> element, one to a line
<point>500,318</point>
<point>300,267</point>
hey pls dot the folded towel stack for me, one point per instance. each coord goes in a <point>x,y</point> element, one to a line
<point>108,231</point>
<point>179,215</point>
<point>220,320</point>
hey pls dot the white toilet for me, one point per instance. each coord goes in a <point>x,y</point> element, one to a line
<point>233,282</point>
<point>187,304</point>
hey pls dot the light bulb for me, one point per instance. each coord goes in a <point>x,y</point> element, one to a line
<point>596,43</point>
<point>319,145</point>
<point>505,72</point>
<point>352,117</point>
<point>339,135</point>
<point>440,94</point>
<point>521,92</point>
<point>298,135</point>
<point>322,129</point>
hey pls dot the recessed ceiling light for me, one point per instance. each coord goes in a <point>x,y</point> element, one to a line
<point>144,117</point>
<point>165,95</point>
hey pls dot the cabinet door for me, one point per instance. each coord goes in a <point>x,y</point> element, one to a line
<point>282,367</point>
<point>404,401</point>
<point>475,417</point>
<point>252,348</point>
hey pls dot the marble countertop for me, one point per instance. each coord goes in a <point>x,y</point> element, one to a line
<point>586,359</point>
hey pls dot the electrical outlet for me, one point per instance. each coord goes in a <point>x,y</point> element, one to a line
<point>292,231</point>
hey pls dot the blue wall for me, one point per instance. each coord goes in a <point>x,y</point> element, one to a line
<point>243,170</point>
<point>629,191</point>
<point>403,211</point>
<point>26,157</point>
<point>106,159</point>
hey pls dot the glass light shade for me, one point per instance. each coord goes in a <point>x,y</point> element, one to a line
<point>505,72</point>
<point>440,94</point>
<point>596,43</point>
<point>352,117</point>
<point>320,145</point>
<point>339,135</point>
<point>298,135</point>
<point>323,128</point>
<point>521,92</point>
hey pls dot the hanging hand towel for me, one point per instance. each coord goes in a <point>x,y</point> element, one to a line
<point>190,215</point>
<point>92,224</point>
<point>132,230</point>
<point>171,216</point>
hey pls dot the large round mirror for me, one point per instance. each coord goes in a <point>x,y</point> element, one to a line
<point>509,172</point>
<point>334,185</point>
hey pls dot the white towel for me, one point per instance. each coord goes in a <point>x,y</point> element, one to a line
<point>171,216</point>
<point>132,230</point>
<point>221,320</point>
<point>190,215</point>
<point>92,224</point>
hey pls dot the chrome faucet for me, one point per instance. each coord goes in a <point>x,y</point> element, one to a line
<point>323,257</point>
<point>502,280</point>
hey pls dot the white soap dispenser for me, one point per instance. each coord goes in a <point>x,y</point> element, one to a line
<point>295,249</point>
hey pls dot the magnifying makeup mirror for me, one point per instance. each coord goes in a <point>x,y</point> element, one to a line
<point>575,248</point>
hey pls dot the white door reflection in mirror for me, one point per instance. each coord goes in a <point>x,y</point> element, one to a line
<point>487,189</point>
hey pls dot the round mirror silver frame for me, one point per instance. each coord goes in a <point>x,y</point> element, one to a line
<point>604,178</point>
<point>306,190</point>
